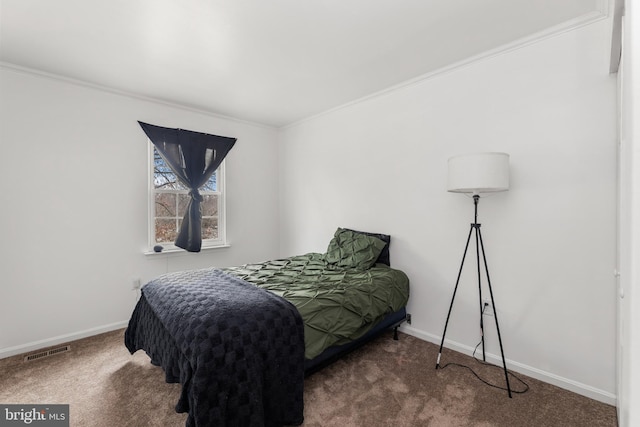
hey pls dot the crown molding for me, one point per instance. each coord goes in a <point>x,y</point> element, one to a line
<point>128,94</point>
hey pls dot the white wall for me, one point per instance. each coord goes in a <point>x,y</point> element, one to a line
<point>74,205</point>
<point>380,165</point>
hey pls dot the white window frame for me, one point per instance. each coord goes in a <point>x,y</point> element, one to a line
<point>221,241</point>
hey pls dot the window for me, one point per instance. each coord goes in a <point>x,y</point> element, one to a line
<point>168,202</point>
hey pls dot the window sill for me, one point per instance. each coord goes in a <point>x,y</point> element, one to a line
<point>174,250</point>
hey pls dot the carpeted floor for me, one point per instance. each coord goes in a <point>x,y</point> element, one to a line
<point>386,383</point>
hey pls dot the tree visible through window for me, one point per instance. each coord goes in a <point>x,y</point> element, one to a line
<point>170,198</point>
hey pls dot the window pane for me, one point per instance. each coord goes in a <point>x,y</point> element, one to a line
<point>163,177</point>
<point>209,205</point>
<point>183,200</point>
<point>209,228</point>
<point>212,183</point>
<point>165,204</point>
<point>166,230</point>
<point>171,199</point>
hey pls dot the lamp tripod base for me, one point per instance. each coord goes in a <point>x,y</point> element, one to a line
<point>479,249</point>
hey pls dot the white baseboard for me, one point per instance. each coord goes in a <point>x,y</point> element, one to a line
<point>36,345</point>
<point>565,383</point>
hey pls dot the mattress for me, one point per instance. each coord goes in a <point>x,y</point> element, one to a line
<point>337,304</point>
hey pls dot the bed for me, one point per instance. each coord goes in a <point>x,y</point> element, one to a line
<point>240,340</point>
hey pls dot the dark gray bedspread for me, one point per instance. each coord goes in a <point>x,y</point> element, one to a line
<point>237,350</point>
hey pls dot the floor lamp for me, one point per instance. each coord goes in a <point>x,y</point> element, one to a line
<point>475,174</point>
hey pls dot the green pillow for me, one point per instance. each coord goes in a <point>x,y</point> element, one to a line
<point>353,250</point>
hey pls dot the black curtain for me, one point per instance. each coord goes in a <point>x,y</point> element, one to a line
<point>193,157</point>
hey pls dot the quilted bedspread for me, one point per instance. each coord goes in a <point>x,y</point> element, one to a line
<point>237,350</point>
<point>337,304</point>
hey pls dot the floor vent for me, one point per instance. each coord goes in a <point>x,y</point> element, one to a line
<point>46,353</point>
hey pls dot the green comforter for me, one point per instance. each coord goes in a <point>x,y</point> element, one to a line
<point>337,304</point>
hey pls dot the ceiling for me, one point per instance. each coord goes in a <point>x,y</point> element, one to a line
<point>267,61</point>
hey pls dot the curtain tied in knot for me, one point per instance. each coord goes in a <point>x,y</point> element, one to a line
<point>195,195</point>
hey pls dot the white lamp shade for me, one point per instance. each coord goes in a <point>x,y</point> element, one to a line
<point>478,173</point>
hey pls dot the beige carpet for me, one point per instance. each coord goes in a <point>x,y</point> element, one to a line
<point>386,383</point>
